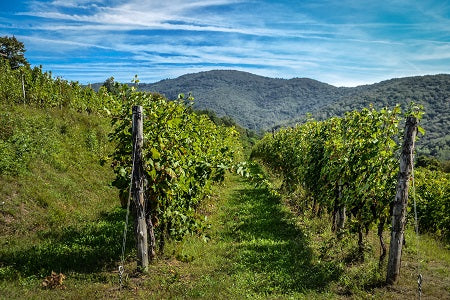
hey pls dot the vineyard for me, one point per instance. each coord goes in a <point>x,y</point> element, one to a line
<point>183,155</point>
<point>305,216</point>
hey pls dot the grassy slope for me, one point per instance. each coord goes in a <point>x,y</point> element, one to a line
<point>56,201</point>
<point>61,215</point>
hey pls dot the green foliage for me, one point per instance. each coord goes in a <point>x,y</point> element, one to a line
<point>247,137</point>
<point>431,92</point>
<point>34,87</point>
<point>432,189</point>
<point>13,51</point>
<point>112,86</point>
<point>24,138</point>
<point>428,162</point>
<point>354,154</point>
<point>184,153</point>
<point>357,152</point>
<point>19,83</point>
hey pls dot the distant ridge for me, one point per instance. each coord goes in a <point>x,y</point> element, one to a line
<point>261,103</point>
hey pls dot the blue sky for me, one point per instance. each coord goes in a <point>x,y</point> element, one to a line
<point>341,42</point>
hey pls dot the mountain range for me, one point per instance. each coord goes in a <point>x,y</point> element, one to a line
<point>262,103</point>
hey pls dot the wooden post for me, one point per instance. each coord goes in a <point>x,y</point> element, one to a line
<point>138,189</point>
<point>341,211</point>
<point>23,89</point>
<point>401,201</point>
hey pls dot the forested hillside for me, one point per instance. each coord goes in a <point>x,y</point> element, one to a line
<point>254,101</point>
<point>261,103</point>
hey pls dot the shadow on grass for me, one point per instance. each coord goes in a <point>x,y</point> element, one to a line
<point>273,252</point>
<point>89,248</point>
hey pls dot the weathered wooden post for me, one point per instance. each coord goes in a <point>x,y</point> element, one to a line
<point>138,189</point>
<point>341,211</point>
<point>23,89</point>
<point>338,210</point>
<point>401,201</point>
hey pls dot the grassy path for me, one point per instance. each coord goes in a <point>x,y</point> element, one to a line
<point>259,250</point>
<point>255,249</point>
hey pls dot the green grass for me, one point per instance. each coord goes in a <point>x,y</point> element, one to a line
<point>58,210</point>
<point>61,214</point>
<point>257,249</point>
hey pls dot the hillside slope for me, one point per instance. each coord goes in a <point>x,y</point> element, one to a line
<point>58,209</point>
<point>261,103</point>
<point>255,102</point>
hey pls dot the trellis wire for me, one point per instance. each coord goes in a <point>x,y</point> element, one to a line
<point>124,240</point>
<point>416,229</point>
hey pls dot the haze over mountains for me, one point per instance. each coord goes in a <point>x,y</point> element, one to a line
<point>261,103</point>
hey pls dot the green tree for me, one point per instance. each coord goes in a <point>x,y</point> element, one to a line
<point>112,86</point>
<point>13,50</point>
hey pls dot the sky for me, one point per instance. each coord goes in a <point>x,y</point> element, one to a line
<point>340,42</point>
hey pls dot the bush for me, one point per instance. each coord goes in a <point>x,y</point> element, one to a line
<point>433,202</point>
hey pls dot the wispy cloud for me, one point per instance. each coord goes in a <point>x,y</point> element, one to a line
<point>340,42</point>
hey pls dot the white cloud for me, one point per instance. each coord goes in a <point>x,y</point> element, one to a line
<point>45,42</point>
<point>169,38</point>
